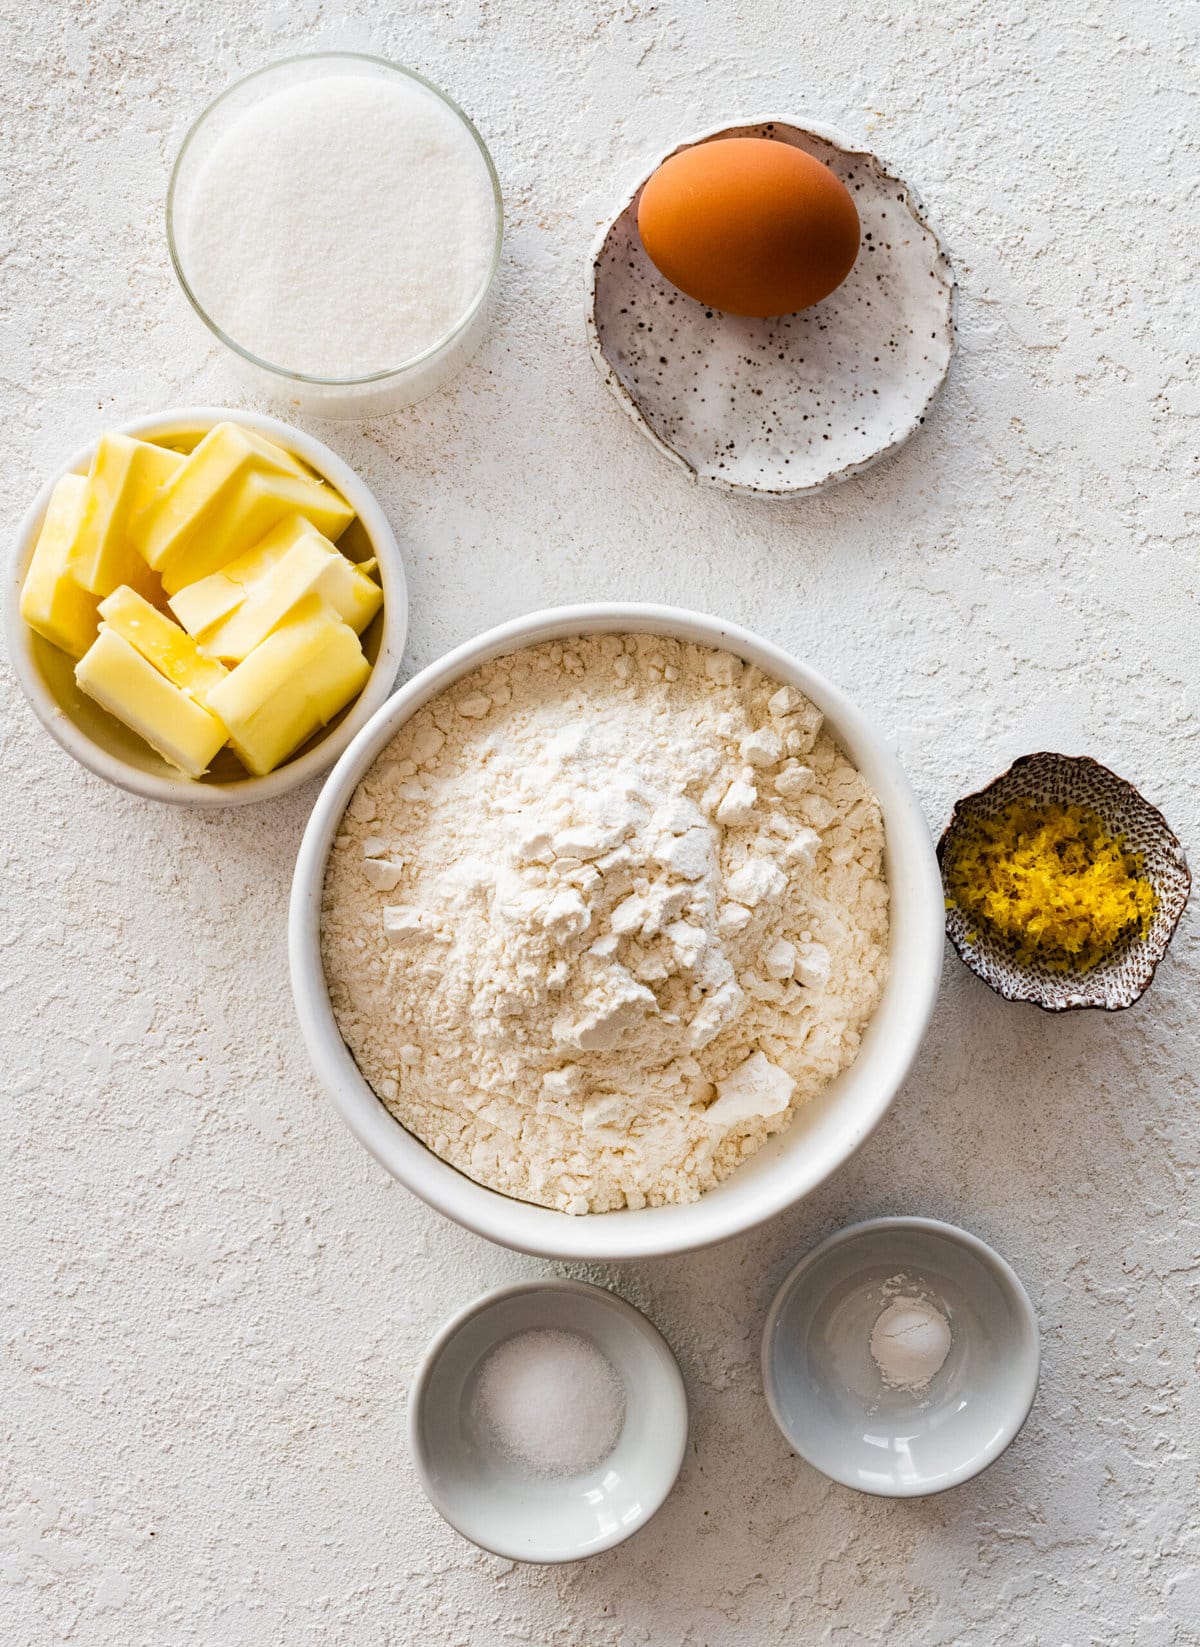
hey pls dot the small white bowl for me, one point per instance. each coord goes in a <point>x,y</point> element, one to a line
<point>824,1133</point>
<point>790,405</point>
<point>493,1501</point>
<point>101,743</point>
<point>826,1393</point>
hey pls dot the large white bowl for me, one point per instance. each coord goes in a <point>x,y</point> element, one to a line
<point>99,741</point>
<point>823,1134</point>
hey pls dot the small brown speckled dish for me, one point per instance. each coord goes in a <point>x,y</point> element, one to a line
<point>791,405</point>
<point>1121,980</point>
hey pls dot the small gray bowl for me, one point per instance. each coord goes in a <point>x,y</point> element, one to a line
<point>826,1394</point>
<point>489,1498</point>
<point>1125,976</point>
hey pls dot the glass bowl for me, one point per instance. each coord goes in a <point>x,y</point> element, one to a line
<point>370,395</point>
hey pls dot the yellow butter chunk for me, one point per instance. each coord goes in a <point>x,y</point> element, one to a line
<point>351,590</point>
<point>125,476</point>
<point>122,681</point>
<point>289,686</point>
<point>232,611</point>
<point>51,600</point>
<point>214,470</point>
<point>169,648</point>
<point>259,504</point>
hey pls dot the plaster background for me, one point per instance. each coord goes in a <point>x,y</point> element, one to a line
<point>212,1299</point>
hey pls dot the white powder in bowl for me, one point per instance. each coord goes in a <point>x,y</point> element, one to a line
<point>909,1342</point>
<point>340,227</point>
<point>603,916</point>
<point>552,1401</point>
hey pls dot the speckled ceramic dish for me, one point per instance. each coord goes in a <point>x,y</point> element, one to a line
<point>791,405</point>
<point>1115,983</point>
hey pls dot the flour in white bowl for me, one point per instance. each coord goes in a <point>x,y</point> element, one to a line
<point>342,226</point>
<point>602,916</point>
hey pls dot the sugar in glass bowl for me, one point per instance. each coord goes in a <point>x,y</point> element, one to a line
<point>344,279</point>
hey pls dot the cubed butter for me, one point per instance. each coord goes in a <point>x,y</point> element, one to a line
<point>351,590</point>
<point>233,610</point>
<point>125,683</point>
<point>52,602</point>
<point>125,476</point>
<point>289,686</point>
<point>169,648</point>
<point>212,471</point>
<point>241,519</point>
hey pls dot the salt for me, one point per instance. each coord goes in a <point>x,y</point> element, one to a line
<point>551,1401</point>
<point>341,227</point>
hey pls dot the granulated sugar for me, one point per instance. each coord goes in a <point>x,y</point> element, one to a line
<point>342,226</point>
<point>551,1401</point>
<point>602,916</point>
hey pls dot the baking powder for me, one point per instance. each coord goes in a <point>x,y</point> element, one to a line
<point>909,1343</point>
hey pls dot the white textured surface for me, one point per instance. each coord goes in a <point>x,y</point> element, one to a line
<point>212,1298</point>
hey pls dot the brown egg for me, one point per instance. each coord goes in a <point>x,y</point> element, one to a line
<point>749,225</point>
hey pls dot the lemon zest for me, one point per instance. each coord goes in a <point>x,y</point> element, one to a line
<point>1048,878</point>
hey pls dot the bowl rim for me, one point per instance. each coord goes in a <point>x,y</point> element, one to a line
<point>916,207</point>
<point>292,774</point>
<point>1025,1379</point>
<point>1015,994</point>
<point>383,374</point>
<point>423,1378</point>
<point>909,995</point>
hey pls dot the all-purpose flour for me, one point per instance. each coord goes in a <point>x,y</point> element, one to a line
<point>342,226</point>
<point>602,916</point>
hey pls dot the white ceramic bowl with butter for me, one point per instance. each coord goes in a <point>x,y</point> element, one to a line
<point>101,743</point>
<point>823,1135</point>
